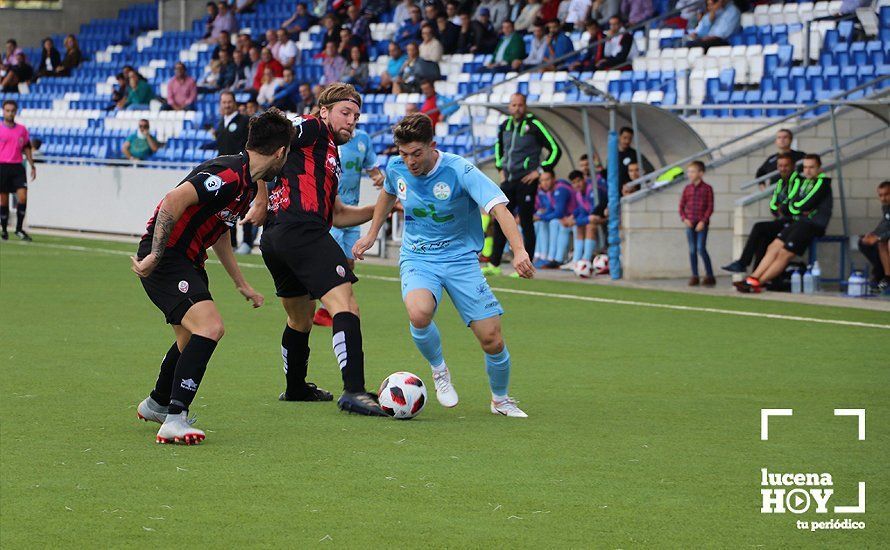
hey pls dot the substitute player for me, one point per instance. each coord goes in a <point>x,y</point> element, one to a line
<point>442,194</point>
<point>304,259</point>
<point>355,156</point>
<point>171,256</point>
<point>14,142</point>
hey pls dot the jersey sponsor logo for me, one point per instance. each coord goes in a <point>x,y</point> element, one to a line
<point>333,165</point>
<point>183,286</point>
<point>213,183</point>
<point>442,191</point>
<point>402,189</point>
<point>432,214</point>
<point>429,247</point>
<point>354,166</point>
<point>228,217</point>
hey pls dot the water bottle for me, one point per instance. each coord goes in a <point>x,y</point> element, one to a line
<point>817,276</point>
<point>808,282</point>
<point>856,284</point>
<point>795,282</point>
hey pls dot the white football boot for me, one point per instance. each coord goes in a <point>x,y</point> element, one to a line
<point>177,429</point>
<point>445,392</point>
<point>150,411</point>
<point>568,266</point>
<point>507,407</point>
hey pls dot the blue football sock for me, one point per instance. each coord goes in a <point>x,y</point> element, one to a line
<point>578,251</point>
<point>498,368</point>
<point>429,343</point>
<point>589,246</point>
<point>542,239</point>
<point>564,236</point>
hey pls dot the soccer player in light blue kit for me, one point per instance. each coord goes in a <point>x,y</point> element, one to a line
<point>442,194</point>
<point>356,155</point>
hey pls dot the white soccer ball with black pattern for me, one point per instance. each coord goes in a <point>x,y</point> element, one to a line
<point>582,269</point>
<point>402,395</point>
<point>601,264</point>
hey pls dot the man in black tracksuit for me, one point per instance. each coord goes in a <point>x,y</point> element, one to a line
<point>517,153</point>
<point>763,233</point>
<point>810,211</point>
<point>231,137</point>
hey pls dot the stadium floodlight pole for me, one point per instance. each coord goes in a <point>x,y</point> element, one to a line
<point>614,236</point>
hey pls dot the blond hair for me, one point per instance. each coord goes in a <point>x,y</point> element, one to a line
<point>337,92</point>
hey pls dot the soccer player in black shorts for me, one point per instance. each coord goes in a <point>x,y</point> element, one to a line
<point>14,143</point>
<point>171,256</point>
<point>306,262</point>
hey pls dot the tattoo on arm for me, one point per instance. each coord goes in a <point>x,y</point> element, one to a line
<point>163,226</point>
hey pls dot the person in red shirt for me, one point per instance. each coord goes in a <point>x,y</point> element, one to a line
<point>429,106</point>
<point>696,207</point>
<point>14,143</point>
<point>266,60</point>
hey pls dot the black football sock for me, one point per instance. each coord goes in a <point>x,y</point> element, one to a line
<point>161,393</point>
<point>20,216</point>
<point>4,216</point>
<point>295,352</point>
<point>348,349</point>
<point>189,372</point>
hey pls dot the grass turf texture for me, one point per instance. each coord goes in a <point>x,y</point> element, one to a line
<point>644,427</point>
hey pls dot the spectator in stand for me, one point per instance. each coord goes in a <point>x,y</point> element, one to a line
<point>50,59</point>
<point>784,137</point>
<point>347,42</point>
<point>876,245</point>
<point>251,108</point>
<point>763,233</point>
<point>119,92</point>
<point>209,83</point>
<point>73,56</point>
<point>595,45</point>
<point>271,42</point>
<point>498,10</point>
<point>141,144</point>
<point>224,21</point>
<point>228,72</point>
<point>430,12</point>
<point>300,21</point>
<point>810,210</point>
<point>627,155</point>
<point>251,65</point>
<point>356,72</point>
<point>223,42</point>
<point>578,13</point>
<point>11,58</point>
<point>509,52</point>
<point>721,21</point>
<point>333,64</point>
<point>393,67</point>
<point>182,90</point>
<point>403,12</point>
<point>358,24</point>
<point>696,207</point>
<point>413,71</point>
<point>266,62</point>
<point>619,50</point>
<point>307,102</point>
<point>139,95</point>
<point>243,43</point>
<point>603,10</point>
<point>537,49</point>
<point>269,83</point>
<point>287,49</point>
<point>527,16</point>
<point>212,12</point>
<point>636,11</point>
<point>434,105</point>
<point>331,31</point>
<point>452,11</point>
<point>448,32</point>
<point>19,73</point>
<point>477,36</point>
<point>633,173</point>
<point>430,48</point>
<point>410,29</point>
<point>558,44</point>
<point>242,65</point>
<point>287,92</point>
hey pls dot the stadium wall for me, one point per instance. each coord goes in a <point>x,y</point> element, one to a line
<point>29,27</point>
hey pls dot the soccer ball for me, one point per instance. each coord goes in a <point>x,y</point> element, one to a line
<point>582,269</point>
<point>402,395</point>
<point>601,264</point>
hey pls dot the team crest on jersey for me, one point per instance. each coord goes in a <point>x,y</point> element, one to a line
<point>228,217</point>
<point>334,166</point>
<point>402,189</point>
<point>183,286</point>
<point>361,147</point>
<point>441,191</point>
<point>341,271</point>
<point>213,183</point>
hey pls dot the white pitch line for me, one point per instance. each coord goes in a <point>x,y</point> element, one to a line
<point>611,301</point>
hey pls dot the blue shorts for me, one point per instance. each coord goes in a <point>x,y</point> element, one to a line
<point>346,237</point>
<point>461,279</point>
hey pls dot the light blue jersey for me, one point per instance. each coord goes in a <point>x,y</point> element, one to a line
<point>355,156</point>
<point>442,219</point>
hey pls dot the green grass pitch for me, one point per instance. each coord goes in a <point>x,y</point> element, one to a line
<point>644,428</point>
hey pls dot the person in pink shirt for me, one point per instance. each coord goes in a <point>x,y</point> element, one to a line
<point>182,91</point>
<point>14,141</point>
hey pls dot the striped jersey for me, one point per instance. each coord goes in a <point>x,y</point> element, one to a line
<point>225,191</point>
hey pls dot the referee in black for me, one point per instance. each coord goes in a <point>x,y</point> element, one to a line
<point>517,153</point>
<point>231,137</point>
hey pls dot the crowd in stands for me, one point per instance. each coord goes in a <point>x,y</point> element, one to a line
<point>16,68</point>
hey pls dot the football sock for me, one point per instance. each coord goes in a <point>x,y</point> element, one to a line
<point>348,349</point>
<point>542,239</point>
<point>4,216</point>
<point>559,239</point>
<point>498,367</point>
<point>429,343</point>
<point>189,372</point>
<point>589,246</point>
<point>578,251</point>
<point>295,353</point>
<point>20,216</point>
<point>161,393</point>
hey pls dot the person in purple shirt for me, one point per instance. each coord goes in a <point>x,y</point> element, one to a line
<point>224,21</point>
<point>636,11</point>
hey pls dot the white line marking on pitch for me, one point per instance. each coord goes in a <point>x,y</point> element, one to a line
<point>612,301</point>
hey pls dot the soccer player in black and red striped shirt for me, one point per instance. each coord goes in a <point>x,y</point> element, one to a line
<point>171,256</point>
<point>306,262</point>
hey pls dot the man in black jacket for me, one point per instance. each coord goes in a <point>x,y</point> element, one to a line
<point>784,137</point>
<point>231,137</point>
<point>876,245</point>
